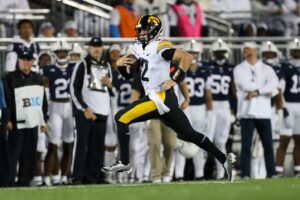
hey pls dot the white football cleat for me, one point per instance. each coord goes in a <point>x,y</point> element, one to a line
<point>229,166</point>
<point>118,167</point>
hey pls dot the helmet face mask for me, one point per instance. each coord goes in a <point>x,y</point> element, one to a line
<point>293,51</point>
<point>219,52</point>
<point>61,51</point>
<point>148,28</point>
<point>269,53</point>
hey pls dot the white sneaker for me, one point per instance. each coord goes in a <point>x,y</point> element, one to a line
<point>166,179</point>
<point>55,180</point>
<point>229,166</point>
<point>156,181</point>
<point>118,167</point>
<point>47,181</point>
<point>37,181</point>
<point>64,180</point>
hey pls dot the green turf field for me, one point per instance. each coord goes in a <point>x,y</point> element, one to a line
<point>283,189</point>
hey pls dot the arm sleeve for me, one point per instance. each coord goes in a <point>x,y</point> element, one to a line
<point>272,82</point>
<point>243,82</point>
<point>45,107</point>
<point>124,73</point>
<point>76,85</point>
<point>168,54</point>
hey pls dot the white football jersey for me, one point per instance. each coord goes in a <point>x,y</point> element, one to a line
<point>154,68</point>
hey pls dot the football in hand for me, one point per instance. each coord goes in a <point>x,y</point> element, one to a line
<point>134,67</point>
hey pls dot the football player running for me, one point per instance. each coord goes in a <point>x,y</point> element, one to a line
<point>60,114</point>
<point>155,55</point>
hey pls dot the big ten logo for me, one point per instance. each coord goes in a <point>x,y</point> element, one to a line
<point>33,101</point>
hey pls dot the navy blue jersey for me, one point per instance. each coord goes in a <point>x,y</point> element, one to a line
<point>221,79</point>
<point>197,83</point>
<point>292,79</point>
<point>59,80</point>
<point>280,74</point>
<point>278,71</point>
<point>18,45</point>
<point>123,87</point>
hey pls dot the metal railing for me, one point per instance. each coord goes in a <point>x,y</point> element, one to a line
<point>219,24</point>
<point>93,10</point>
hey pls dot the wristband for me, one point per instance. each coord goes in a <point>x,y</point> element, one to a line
<point>178,76</point>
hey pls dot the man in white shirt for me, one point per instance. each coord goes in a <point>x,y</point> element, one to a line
<point>255,82</point>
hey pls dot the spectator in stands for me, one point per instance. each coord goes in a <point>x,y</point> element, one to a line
<point>187,19</point>
<point>158,8</point>
<point>8,28</point>
<point>255,83</point>
<point>292,21</point>
<point>46,30</point>
<point>70,29</point>
<point>262,30</point>
<point>236,11</point>
<point>249,30</point>
<point>21,42</point>
<point>123,20</point>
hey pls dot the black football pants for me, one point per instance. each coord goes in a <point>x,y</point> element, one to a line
<point>145,109</point>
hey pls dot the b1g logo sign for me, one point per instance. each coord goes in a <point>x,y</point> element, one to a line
<point>33,101</point>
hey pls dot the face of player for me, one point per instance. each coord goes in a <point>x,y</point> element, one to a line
<point>75,57</point>
<point>194,54</point>
<point>96,52</point>
<point>220,55</point>
<point>61,54</point>
<point>44,60</point>
<point>25,65</point>
<point>143,35</point>
<point>295,54</point>
<point>26,30</point>
<point>269,55</point>
<point>114,55</point>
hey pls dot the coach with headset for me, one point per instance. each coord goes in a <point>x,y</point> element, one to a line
<point>90,88</point>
